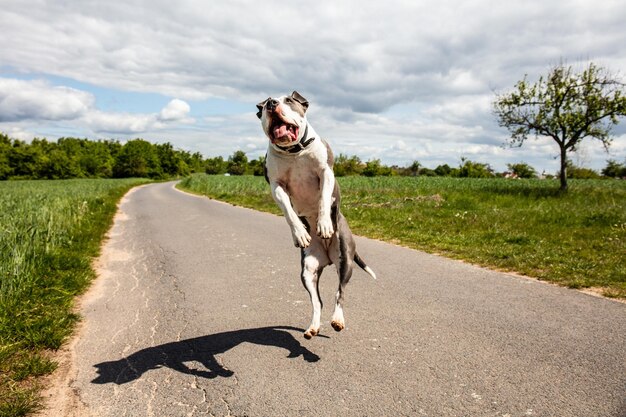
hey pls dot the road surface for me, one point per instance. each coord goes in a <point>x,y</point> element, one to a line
<point>199,310</point>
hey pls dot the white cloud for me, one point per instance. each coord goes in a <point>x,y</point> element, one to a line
<point>175,110</point>
<point>38,100</point>
<point>33,100</point>
<point>17,132</point>
<point>103,122</point>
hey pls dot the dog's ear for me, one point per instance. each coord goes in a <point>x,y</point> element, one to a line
<point>260,107</point>
<point>303,101</point>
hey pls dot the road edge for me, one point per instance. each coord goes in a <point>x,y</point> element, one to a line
<point>58,396</point>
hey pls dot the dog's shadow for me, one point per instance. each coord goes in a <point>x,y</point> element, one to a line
<point>175,355</point>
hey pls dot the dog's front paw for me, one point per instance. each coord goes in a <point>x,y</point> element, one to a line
<point>301,238</point>
<point>325,228</point>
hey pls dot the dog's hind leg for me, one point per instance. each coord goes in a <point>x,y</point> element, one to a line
<point>342,256</point>
<point>314,259</point>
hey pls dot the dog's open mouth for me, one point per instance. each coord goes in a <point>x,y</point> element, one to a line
<point>283,131</point>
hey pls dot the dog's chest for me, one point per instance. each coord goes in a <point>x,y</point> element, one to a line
<point>301,179</point>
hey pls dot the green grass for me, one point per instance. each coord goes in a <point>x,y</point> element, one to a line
<point>50,231</point>
<point>576,239</point>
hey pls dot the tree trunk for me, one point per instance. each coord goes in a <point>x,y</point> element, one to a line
<point>563,173</point>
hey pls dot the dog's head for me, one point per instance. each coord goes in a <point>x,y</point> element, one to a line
<point>283,119</point>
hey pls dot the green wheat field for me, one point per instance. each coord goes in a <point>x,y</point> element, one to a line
<point>50,232</point>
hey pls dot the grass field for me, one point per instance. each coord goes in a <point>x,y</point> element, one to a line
<point>50,231</point>
<point>576,239</point>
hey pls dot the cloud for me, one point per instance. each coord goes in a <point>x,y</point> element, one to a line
<point>175,110</point>
<point>365,57</point>
<point>396,81</point>
<point>124,123</point>
<point>17,132</point>
<point>36,100</point>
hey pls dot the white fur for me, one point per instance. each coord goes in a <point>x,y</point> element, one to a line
<point>302,184</point>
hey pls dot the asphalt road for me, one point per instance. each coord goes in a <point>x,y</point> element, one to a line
<point>199,309</point>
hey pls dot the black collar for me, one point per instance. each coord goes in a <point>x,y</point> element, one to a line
<point>300,146</point>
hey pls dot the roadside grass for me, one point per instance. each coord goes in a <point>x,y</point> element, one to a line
<point>576,239</point>
<point>50,232</point>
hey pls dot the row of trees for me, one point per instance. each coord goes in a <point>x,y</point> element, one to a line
<point>238,164</point>
<point>345,165</point>
<point>82,158</point>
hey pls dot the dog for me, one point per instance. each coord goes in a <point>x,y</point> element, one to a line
<point>299,169</point>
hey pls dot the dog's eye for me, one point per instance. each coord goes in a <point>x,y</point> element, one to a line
<point>288,100</point>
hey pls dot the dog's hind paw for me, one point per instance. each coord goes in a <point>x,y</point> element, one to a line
<point>337,325</point>
<point>310,333</point>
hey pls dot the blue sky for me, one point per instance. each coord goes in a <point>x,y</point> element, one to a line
<point>397,80</point>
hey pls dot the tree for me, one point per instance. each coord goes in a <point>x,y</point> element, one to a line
<point>614,169</point>
<point>71,153</point>
<point>257,166</point>
<point>522,170</point>
<point>347,166</point>
<point>237,163</point>
<point>97,161</point>
<point>470,169</point>
<point>427,172</point>
<point>25,159</point>
<point>195,162</point>
<point>56,164</point>
<point>565,106</point>
<point>443,170</point>
<point>215,166</point>
<point>374,168</point>
<point>580,173</point>
<point>414,168</point>
<point>5,149</point>
<point>137,158</point>
<point>172,164</point>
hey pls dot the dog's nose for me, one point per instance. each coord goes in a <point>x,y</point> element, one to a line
<point>271,104</point>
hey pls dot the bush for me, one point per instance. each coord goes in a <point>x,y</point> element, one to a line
<point>614,169</point>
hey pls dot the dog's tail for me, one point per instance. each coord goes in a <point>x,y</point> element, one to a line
<point>363,266</point>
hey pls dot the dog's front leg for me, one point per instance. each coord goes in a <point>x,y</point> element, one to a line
<point>301,237</point>
<point>324,222</point>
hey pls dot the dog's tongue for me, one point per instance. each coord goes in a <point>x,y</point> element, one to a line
<point>284,130</point>
<point>280,131</point>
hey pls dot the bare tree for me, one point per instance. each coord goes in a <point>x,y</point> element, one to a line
<point>565,106</point>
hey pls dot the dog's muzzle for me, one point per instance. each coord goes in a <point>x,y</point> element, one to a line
<point>271,105</point>
<point>280,129</point>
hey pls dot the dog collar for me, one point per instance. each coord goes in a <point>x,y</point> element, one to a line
<point>300,146</point>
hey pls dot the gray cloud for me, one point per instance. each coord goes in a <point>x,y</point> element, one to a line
<point>363,56</point>
<point>378,74</point>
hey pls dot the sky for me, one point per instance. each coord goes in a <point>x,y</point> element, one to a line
<point>399,81</point>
